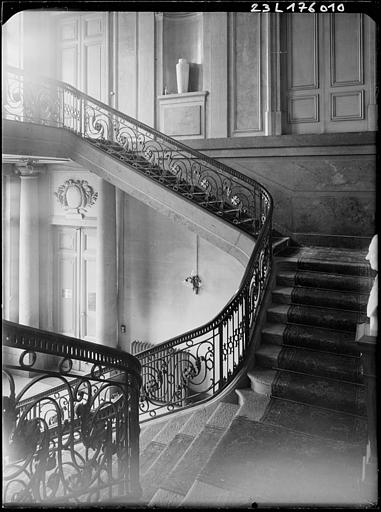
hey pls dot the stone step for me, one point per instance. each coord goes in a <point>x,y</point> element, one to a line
<point>323,265</point>
<point>264,463</point>
<point>181,476</point>
<point>316,421</point>
<point>319,338</point>
<point>149,430</point>
<point>321,298</point>
<point>273,333</point>
<point>316,391</point>
<point>280,243</point>
<point>308,336</point>
<point>277,313</point>
<point>262,380</point>
<point>301,416</point>
<point>358,284</point>
<point>151,450</point>
<point>153,478</point>
<point>310,362</point>
<point>329,318</point>
<point>252,405</point>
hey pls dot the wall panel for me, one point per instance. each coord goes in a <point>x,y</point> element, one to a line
<point>303,55</point>
<point>93,70</point>
<point>126,90</point>
<point>301,63</point>
<point>245,75</point>
<point>69,65</point>
<point>83,53</point>
<point>346,39</point>
<point>329,75</point>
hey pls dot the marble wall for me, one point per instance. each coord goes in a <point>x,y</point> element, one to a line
<point>324,187</point>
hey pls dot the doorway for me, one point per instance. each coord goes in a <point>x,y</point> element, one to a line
<point>74,282</point>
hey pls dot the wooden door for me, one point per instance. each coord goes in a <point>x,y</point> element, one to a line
<point>328,73</point>
<point>83,53</point>
<point>74,287</point>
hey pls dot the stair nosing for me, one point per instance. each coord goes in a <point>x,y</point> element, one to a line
<point>306,348</point>
<point>277,369</point>
<point>353,415</point>
<point>279,288</point>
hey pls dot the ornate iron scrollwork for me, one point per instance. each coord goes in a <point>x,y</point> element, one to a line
<point>72,443</point>
<point>175,374</point>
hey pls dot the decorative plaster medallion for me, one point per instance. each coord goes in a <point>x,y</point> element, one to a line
<point>75,196</point>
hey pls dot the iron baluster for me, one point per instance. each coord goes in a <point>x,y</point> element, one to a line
<point>175,372</point>
<point>59,441</point>
<point>220,351</point>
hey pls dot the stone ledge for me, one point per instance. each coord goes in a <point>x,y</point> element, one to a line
<point>287,141</point>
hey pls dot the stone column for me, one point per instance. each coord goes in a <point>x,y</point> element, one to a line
<point>106,302</point>
<point>29,245</point>
<point>11,241</point>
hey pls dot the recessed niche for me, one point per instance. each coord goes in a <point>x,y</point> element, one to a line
<point>182,39</point>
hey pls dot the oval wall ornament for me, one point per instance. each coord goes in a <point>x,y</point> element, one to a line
<point>75,196</point>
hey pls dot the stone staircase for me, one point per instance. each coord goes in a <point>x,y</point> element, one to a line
<point>174,451</point>
<point>298,434</point>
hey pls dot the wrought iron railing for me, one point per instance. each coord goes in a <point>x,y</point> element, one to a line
<point>68,439</point>
<point>196,365</point>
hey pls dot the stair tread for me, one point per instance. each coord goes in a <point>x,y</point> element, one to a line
<point>307,335</point>
<point>331,424</point>
<point>265,375</point>
<point>319,338</point>
<point>260,454</point>
<point>310,362</point>
<point>283,289</point>
<point>148,432</point>
<point>334,318</point>
<point>152,479</point>
<point>171,428</point>
<point>314,291</point>
<point>274,328</point>
<point>337,395</point>
<point>184,472</point>
<point>287,273</point>
<point>284,308</point>
<point>279,308</point>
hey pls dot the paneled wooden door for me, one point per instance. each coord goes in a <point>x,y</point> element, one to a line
<point>83,53</point>
<point>74,282</point>
<point>328,72</point>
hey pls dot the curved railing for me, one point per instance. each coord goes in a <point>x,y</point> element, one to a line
<point>68,439</point>
<point>196,365</point>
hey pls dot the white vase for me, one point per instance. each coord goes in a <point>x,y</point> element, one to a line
<point>182,75</point>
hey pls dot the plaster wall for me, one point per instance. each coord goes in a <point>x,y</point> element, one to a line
<point>254,68</point>
<point>158,255</point>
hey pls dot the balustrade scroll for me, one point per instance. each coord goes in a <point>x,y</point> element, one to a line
<point>196,365</point>
<point>68,439</point>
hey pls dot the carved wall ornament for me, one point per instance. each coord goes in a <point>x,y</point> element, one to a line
<point>75,196</point>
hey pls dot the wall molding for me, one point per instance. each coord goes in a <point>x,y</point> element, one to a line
<point>315,106</point>
<point>360,55</point>
<point>361,102</point>
<point>235,131</point>
<point>183,115</point>
<point>315,82</point>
